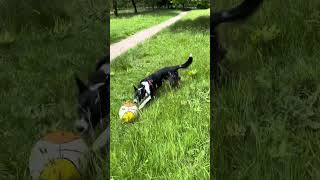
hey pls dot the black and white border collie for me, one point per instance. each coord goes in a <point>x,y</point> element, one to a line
<point>148,86</point>
<point>240,12</point>
<point>93,99</point>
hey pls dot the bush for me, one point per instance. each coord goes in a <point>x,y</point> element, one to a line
<point>202,6</point>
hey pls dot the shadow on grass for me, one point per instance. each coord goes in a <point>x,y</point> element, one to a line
<point>158,12</point>
<point>200,24</point>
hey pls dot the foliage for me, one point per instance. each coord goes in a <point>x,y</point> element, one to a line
<point>200,4</point>
<point>268,126</point>
<point>169,4</point>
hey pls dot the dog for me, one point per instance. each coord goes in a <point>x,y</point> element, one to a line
<point>240,12</point>
<point>93,99</point>
<point>149,85</point>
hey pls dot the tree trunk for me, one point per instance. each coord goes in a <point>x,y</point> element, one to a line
<point>135,7</point>
<point>183,6</point>
<point>115,7</point>
<point>152,5</point>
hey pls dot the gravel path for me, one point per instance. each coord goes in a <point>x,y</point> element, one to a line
<point>124,45</point>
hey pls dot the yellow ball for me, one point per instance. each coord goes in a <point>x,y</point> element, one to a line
<point>61,169</point>
<point>128,117</point>
<point>57,155</point>
<point>128,112</point>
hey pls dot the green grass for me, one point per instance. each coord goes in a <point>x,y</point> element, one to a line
<point>127,24</point>
<point>171,138</point>
<point>269,100</point>
<point>37,87</point>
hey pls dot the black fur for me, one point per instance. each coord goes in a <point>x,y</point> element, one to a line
<point>241,12</point>
<point>156,79</point>
<point>93,98</point>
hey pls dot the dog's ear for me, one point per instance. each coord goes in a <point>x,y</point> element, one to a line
<point>135,88</point>
<point>81,86</point>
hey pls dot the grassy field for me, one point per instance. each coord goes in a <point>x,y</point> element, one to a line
<point>269,100</point>
<point>171,138</point>
<point>37,87</point>
<point>127,24</point>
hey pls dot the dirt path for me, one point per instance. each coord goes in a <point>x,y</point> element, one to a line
<point>124,45</point>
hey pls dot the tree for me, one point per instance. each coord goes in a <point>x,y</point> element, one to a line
<point>135,7</point>
<point>181,2</point>
<point>153,4</point>
<point>149,3</point>
<point>115,7</point>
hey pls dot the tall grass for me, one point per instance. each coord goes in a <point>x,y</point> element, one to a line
<point>269,99</point>
<point>15,14</point>
<point>42,45</point>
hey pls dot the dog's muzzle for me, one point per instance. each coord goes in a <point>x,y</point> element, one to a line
<point>81,126</point>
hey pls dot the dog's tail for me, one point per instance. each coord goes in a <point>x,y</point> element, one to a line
<point>186,64</point>
<point>242,11</point>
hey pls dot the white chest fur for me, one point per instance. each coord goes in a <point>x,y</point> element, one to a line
<point>147,87</point>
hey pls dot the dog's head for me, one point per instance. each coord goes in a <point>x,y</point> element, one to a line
<point>139,93</point>
<point>89,107</point>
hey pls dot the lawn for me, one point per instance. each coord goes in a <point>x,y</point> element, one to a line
<point>171,138</point>
<point>269,98</point>
<point>127,24</point>
<point>37,87</point>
